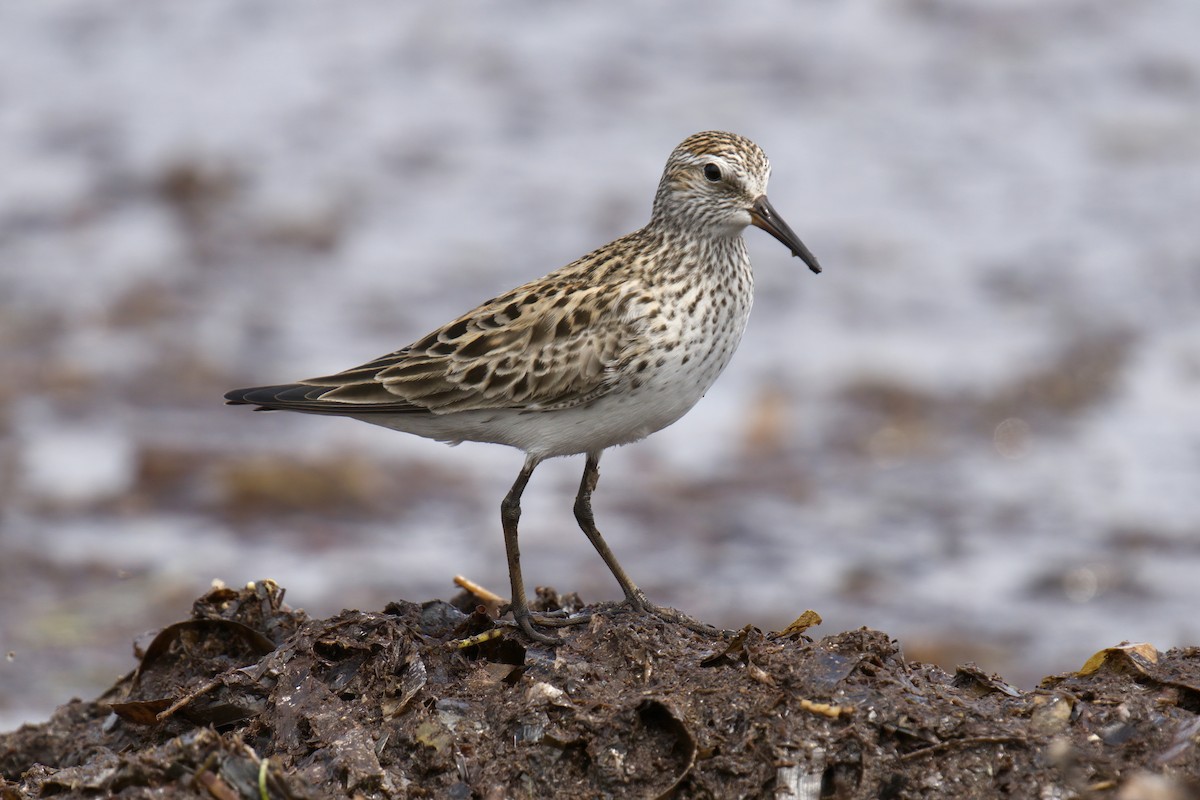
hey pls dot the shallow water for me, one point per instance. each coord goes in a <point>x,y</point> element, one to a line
<point>977,430</point>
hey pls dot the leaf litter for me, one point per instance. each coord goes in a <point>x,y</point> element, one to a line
<point>252,699</point>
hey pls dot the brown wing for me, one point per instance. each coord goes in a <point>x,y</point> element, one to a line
<point>546,345</point>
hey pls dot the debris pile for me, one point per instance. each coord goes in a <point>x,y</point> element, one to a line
<point>251,699</point>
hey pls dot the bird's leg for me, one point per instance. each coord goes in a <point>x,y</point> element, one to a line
<point>510,515</point>
<point>635,598</point>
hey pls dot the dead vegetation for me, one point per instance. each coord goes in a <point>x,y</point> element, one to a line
<point>250,699</point>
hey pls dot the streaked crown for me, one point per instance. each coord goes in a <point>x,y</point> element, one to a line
<point>710,183</point>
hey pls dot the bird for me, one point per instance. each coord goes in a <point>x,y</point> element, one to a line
<point>599,353</point>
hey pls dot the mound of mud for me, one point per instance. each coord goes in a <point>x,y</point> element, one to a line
<point>251,699</point>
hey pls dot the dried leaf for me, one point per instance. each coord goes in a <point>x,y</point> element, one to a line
<point>656,715</point>
<point>799,625</point>
<point>255,643</point>
<point>734,653</point>
<point>142,712</point>
<point>1140,657</point>
<point>971,678</point>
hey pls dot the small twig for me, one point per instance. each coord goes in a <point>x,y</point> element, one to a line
<point>187,699</point>
<point>471,641</point>
<point>826,709</point>
<point>486,595</point>
<point>957,743</point>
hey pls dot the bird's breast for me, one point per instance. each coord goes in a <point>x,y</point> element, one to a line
<point>689,338</point>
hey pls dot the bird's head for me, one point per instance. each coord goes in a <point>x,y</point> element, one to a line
<point>715,183</point>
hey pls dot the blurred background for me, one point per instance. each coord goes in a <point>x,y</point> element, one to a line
<point>978,430</point>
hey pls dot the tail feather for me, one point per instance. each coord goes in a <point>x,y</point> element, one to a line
<point>307,398</point>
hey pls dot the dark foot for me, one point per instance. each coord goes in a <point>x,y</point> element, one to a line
<point>553,619</point>
<point>640,604</point>
<point>561,618</point>
<point>525,623</point>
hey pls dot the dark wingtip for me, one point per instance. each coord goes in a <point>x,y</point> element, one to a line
<point>237,397</point>
<point>264,396</point>
<point>286,397</point>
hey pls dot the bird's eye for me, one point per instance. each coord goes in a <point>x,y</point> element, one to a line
<point>712,172</point>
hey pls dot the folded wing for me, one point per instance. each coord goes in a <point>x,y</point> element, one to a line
<point>541,347</point>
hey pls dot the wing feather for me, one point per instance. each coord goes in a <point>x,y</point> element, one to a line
<point>551,344</point>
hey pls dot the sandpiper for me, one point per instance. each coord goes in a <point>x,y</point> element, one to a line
<point>602,352</point>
